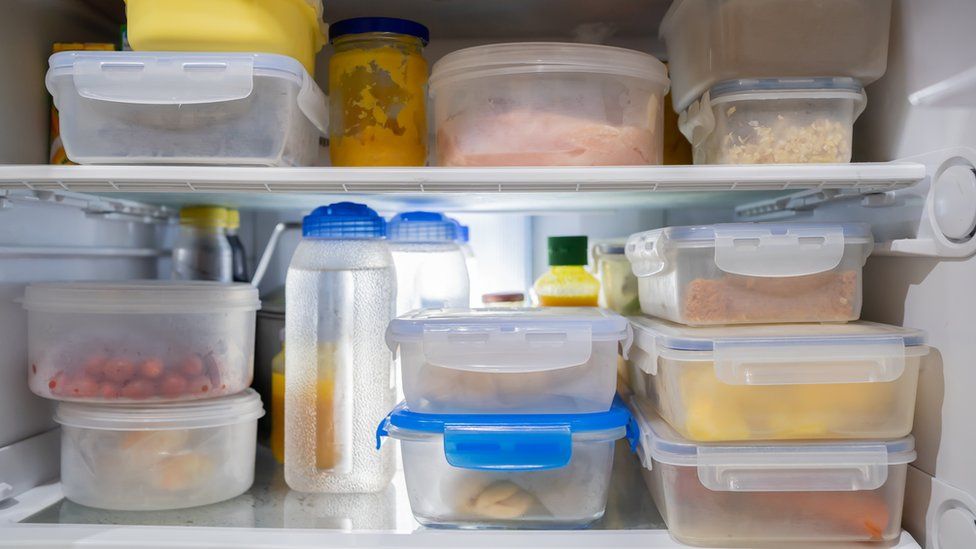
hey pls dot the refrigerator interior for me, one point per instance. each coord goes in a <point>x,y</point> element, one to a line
<point>913,180</point>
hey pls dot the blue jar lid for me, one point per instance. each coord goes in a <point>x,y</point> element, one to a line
<point>510,442</point>
<point>359,25</point>
<point>423,227</point>
<point>465,236</point>
<point>344,220</point>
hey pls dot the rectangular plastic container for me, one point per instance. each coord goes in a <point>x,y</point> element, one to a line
<point>547,104</point>
<point>560,360</point>
<point>618,286</point>
<point>147,457</point>
<point>775,121</point>
<point>140,340</point>
<point>749,273</point>
<point>187,108</point>
<point>779,382</point>
<point>709,41</point>
<point>773,494</point>
<point>508,471</point>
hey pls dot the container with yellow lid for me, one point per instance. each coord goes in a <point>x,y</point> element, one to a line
<point>202,251</point>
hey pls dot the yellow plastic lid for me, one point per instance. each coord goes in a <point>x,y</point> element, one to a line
<point>204,216</point>
<point>233,219</point>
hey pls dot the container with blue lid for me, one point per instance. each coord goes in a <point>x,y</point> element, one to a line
<point>344,220</point>
<point>519,470</point>
<point>432,270</point>
<point>749,273</point>
<point>423,227</point>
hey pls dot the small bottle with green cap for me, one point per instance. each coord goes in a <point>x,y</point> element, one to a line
<point>567,283</point>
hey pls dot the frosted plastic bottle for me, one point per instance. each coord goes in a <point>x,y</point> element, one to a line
<point>431,268</point>
<point>340,294</point>
<point>567,283</point>
<point>471,262</point>
<point>201,251</point>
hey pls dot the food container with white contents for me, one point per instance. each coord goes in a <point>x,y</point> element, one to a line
<point>508,471</point>
<point>774,121</point>
<point>187,108</point>
<point>547,104</point>
<point>777,494</point>
<point>151,456</point>
<point>779,381</point>
<point>709,41</point>
<point>749,273</point>
<point>558,360</point>
<point>140,340</point>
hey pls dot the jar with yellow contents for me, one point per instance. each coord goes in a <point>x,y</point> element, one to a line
<point>378,92</point>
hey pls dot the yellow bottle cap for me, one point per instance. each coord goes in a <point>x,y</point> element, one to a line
<point>204,216</point>
<point>233,219</point>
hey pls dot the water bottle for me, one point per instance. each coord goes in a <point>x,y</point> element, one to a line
<point>430,266</point>
<point>201,251</point>
<point>340,294</point>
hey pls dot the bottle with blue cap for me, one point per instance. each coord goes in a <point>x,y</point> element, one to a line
<point>340,295</point>
<point>430,265</point>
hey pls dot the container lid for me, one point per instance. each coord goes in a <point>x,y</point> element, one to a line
<point>464,235</point>
<point>360,25</point>
<point>510,441</point>
<point>344,220</point>
<point>567,250</point>
<point>204,217</point>
<point>503,297</point>
<point>782,354</point>
<point>771,466</point>
<point>422,227</point>
<point>750,85</point>
<point>609,248</point>
<point>233,219</point>
<point>535,57</point>
<point>197,414</point>
<point>508,340</point>
<point>753,249</point>
<point>141,297</point>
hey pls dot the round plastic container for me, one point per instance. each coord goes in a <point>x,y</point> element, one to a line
<point>432,270</point>
<point>547,104</point>
<point>141,340</point>
<point>145,457</point>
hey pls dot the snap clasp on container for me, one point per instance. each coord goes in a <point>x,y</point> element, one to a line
<point>497,448</point>
<point>797,251</point>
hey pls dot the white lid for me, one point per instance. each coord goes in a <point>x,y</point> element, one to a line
<point>753,249</point>
<point>534,57</point>
<point>197,414</point>
<point>508,339</point>
<point>772,466</point>
<point>141,297</point>
<point>782,354</point>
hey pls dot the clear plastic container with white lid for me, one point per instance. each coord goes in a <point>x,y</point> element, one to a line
<point>774,493</point>
<point>547,104</point>
<point>747,273</point>
<point>508,471</point>
<point>709,41</point>
<point>509,360</point>
<point>779,381</point>
<point>775,121</point>
<point>187,108</point>
<point>152,456</point>
<point>140,340</point>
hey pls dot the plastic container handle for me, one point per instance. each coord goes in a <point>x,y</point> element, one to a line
<point>775,469</point>
<point>314,104</point>
<point>644,253</point>
<point>797,252</point>
<point>152,81</point>
<point>763,363</point>
<point>497,448</point>
<point>696,123</point>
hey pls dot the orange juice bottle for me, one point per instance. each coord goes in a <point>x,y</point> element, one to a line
<point>567,283</point>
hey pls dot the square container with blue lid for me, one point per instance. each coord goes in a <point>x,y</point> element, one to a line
<point>751,273</point>
<point>500,470</point>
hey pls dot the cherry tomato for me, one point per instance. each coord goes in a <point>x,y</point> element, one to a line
<point>94,366</point>
<point>151,368</point>
<point>119,370</point>
<point>191,366</point>
<point>138,389</point>
<point>200,384</point>
<point>173,385</point>
<point>83,387</point>
<point>109,390</point>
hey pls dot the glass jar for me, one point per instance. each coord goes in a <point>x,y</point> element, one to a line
<point>378,93</point>
<point>201,251</point>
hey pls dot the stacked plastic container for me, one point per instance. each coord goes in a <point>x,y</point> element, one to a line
<point>510,417</point>
<point>764,404</point>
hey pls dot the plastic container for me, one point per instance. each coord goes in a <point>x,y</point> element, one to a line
<point>287,27</point>
<point>547,104</point>
<point>709,41</point>
<point>779,382</point>
<point>748,273</point>
<point>567,283</point>
<point>150,457</point>
<point>775,494</point>
<point>187,108</point>
<point>775,121</point>
<point>140,340</point>
<point>508,471</point>
<point>509,361</point>
<point>339,378</point>
<point>203,250</point>
<point>618,285</point>
<point>378,87</point>
<point>431,268</point>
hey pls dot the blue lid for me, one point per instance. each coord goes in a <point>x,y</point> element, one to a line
<point>511,442</point>
<point>465,235</point>
<point>344,220</point>
<point>359,25</point>
<point>423,227</point>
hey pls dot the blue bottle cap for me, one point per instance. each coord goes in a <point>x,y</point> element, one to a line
<point>344,220</point>
<point>359,25</point>
<point>465,236</point>
<point>423,227</point>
